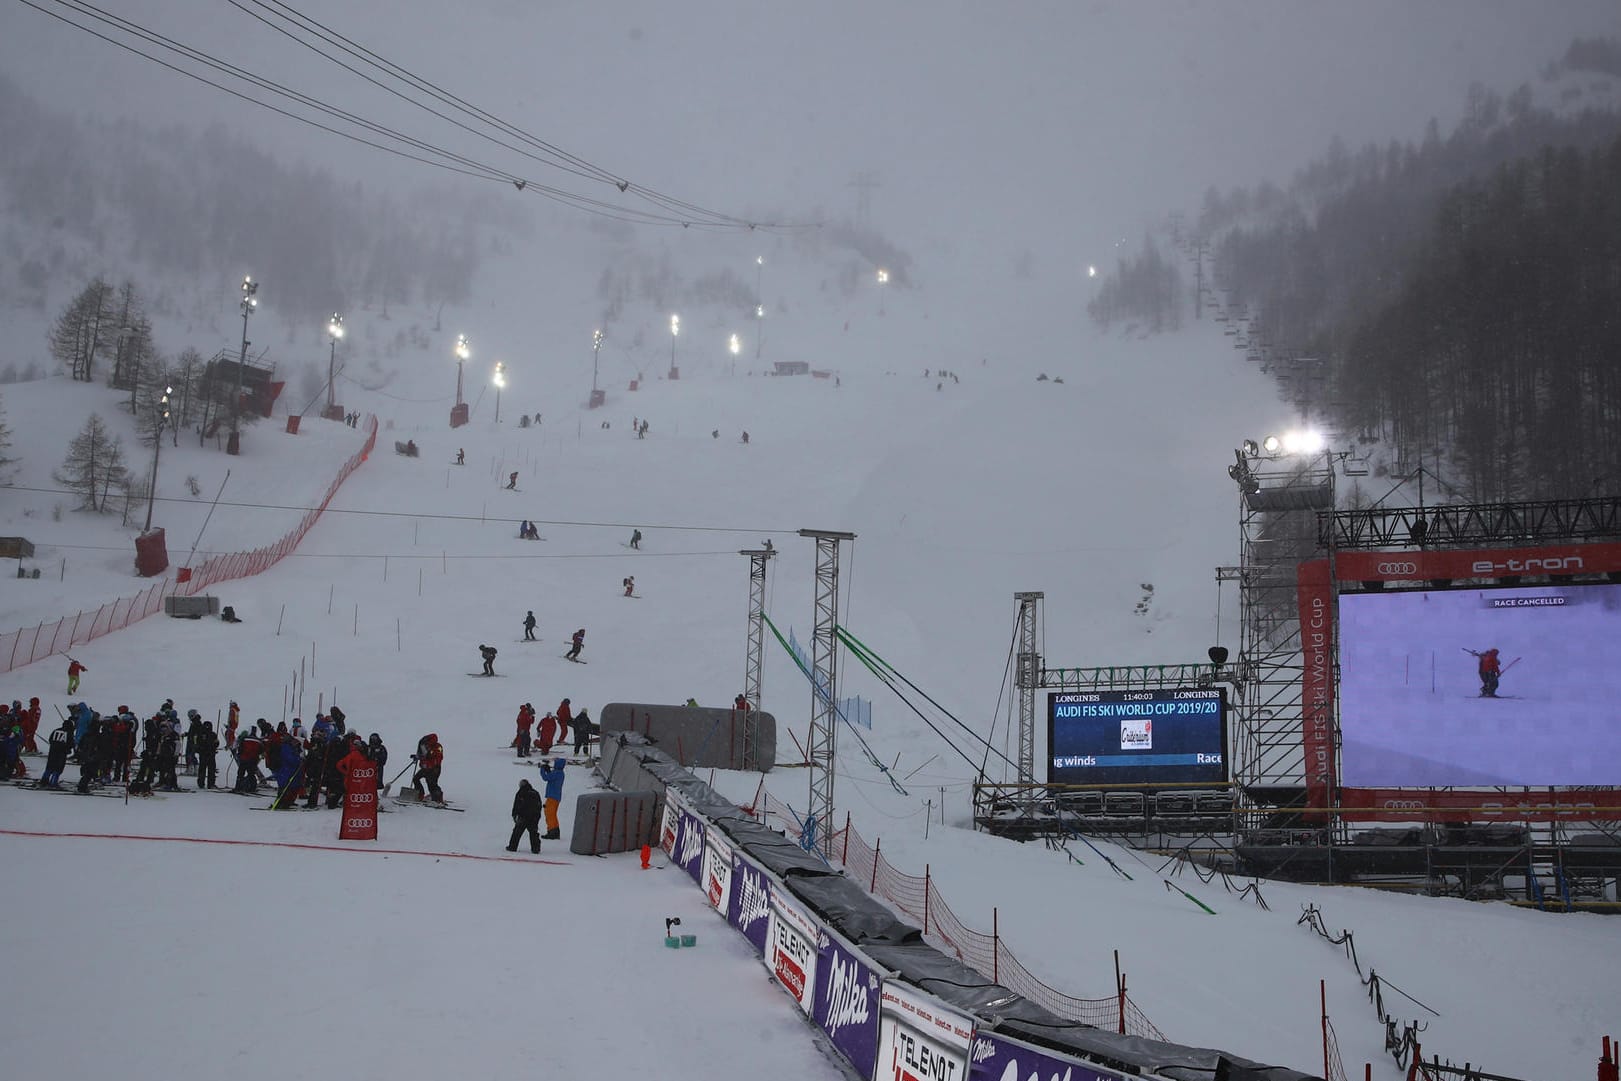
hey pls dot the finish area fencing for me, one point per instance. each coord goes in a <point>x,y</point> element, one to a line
<point>30,644</point>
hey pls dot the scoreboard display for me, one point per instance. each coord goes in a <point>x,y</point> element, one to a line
<point>1137,737</point>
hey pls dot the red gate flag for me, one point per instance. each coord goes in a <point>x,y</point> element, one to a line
<point>360,805</point>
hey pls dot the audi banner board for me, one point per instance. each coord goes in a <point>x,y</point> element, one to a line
<point>1509,685</point>
<point>1137,737</point>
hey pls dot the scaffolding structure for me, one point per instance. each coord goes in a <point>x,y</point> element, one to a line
<point>755,652</point>
<point>1027,679</point>
<point>1279,500</point>
<point>822,742</point>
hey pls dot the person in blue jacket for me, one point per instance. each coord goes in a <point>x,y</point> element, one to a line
<point>289,774</point>
<point>553,776</point>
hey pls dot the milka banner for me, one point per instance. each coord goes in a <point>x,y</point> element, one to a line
<point>791,949</point>
<point>689,845</point>
<point>717,876</point>
<point>996,1058</point>
<point>750,908</point>
<point>919,1039</point>
<point>847,1003</point>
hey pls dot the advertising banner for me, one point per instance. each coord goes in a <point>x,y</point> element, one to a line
<point>997,1058</point>
<point>360,805</point>
<point>919,1039</point>
<point>1388,772</point>
<point>670,827</point>
<point>750,907</point>
<point>717,876</point>
<point>689,845</point>
<point>1315,597</point>
<point>847,1003</point>
<point>791,950</point>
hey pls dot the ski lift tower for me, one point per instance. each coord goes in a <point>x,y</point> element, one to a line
<point>752,663</point>
<point>825,687</point>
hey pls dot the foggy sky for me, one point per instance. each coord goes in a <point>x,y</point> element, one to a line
<point>1050,126</point>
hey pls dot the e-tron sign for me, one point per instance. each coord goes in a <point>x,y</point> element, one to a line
<point>1137,737</point>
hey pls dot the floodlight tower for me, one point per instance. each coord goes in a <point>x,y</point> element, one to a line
<point>458,412</point>
<point>334,330</point>
<point>824,688</point>
<point>250,301</point>
<point>500,380</point>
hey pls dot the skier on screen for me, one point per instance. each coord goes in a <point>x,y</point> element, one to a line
<point>1490,669</point>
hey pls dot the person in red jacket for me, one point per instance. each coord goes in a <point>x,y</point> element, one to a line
<point>526,721</point>
<point>547,734</point>
<point>1490,670</point>
<point>74,668</point>
<point>430,758</point>
<point>355,759</point>
<point>30,726</point>
<point>565,714</point>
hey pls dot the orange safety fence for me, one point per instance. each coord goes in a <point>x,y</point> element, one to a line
<point>919,898</point>
<point>29,644</point>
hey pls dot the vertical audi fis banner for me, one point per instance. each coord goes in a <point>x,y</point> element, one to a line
<point>1315,594</point>
<point>791,950</point>
<point>919,1039</point>
<point>360,805</point>
<point>847,1003</point>
<point>749,909</point>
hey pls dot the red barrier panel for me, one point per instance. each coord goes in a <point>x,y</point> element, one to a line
<point>187,581</point>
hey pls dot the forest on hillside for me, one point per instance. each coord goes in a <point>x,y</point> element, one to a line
<point>77,197</point>
<point>1453,299</point>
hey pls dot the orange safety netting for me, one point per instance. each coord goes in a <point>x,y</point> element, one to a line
<point>30,644</point>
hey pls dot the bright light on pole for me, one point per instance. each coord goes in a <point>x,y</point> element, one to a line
<point>883,276</point>
<point>464,349</point>
<point>596,348</point>
<point>157,446</point>
<point>500,380</point>
<point>734,345</point>
<point>250,301</point>
<point>675,332</point>
<point>334,329</point>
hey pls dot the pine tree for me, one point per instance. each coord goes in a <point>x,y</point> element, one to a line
<point>6,460</point>
<point>81,332</point>
<point>94,465</point>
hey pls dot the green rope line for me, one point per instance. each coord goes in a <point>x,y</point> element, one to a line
<point>872,758</point>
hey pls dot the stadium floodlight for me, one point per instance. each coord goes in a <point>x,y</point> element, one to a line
<point>500,380</point>
<point>1251,448</point>
<point>883,276</point>
<point>734,345</point>
<point>1271,443</point>
<point>334,329</point>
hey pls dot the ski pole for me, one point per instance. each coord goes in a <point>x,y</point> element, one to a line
<point>397,776</point>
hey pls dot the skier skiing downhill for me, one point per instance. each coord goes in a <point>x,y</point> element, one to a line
<point>529,626</point>
<point>630,586</point>
<point>578,640</point>
<point>1490,669</point>
<point>74,668</point>
<point>489,658</point>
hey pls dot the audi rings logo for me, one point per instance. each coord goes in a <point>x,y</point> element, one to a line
<point>1403,805</point>
<point>1397,568</point>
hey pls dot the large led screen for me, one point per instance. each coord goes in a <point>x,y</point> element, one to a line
<point>1137,737</point>
<point>1505,686</point>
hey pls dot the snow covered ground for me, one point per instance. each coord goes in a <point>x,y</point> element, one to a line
<point>960,495</point>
